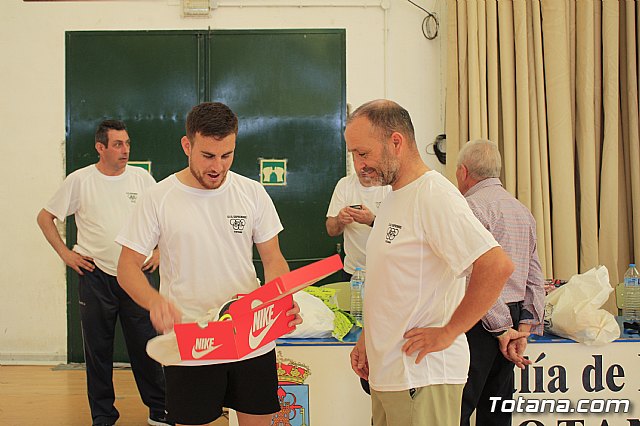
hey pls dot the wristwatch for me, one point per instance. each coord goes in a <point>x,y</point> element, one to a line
<point>497,334</point>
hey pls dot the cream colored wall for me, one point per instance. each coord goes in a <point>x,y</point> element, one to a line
<point>387,56</point>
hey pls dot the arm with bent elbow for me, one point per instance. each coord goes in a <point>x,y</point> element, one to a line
<point>131,278</point>
<point>490,273</point>
<point>334,227</point>
<point>74,260</point>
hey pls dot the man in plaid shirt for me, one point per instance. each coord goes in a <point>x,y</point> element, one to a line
<point>496,342</point>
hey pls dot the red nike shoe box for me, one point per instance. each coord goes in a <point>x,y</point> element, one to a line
<point>257,318</point>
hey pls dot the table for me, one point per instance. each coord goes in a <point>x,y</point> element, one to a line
<point>334,392</point>
<point>564,372</point>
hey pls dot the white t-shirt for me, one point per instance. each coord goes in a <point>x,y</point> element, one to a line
<point>101,205</point>
<point>348,192</point>
<point>205,239</point>
<point>424,242</point>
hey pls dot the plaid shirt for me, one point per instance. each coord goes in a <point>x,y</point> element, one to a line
<point>514,227</point>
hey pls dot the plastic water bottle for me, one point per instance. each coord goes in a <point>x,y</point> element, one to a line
<point>357,293</point>
<point>631,310</point>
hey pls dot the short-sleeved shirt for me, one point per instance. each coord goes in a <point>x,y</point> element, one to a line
<point>205,239</point>
<point>101,205</point>
<point>423,244</point>
<point>348,192</point>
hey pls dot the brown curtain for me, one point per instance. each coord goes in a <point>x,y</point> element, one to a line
<point>555,84</point>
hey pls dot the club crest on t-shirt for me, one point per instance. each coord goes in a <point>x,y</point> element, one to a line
<point>237,223</point>
<point>132,196</point>
<point>392,231</point>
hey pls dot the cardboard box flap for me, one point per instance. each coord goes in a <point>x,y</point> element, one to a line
<point>256,318</point>
<point>305,276</point>
<point>288,283</point>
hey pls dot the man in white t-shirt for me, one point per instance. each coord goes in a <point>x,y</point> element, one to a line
<point>101,196</point>
<point>205,220</point>
<point>424,242</point>
<point>352,211</point>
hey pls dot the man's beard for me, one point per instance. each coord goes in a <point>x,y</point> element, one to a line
<point>387,174</point>
<point>365,177</point>
<point>206,183</point>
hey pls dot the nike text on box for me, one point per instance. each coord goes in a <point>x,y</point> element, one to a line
<point>256,319</point>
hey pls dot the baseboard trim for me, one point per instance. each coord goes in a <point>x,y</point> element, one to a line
<point>32,358</point>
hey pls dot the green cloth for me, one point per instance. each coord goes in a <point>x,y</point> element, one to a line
<point>343,321</point>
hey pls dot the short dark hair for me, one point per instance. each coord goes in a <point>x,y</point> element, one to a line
<point>213,119</point>
<point>386,117</point>
<point>102,132</point>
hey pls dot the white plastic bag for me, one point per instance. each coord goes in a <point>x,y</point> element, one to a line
<point>573,311</point>
<point>317,318</point>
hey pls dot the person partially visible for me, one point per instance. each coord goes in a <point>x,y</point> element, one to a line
<point>496,342</point>
<point>424,242</point>
<point>352,212</point>
<point>101,196</point>
<point>205,220</point>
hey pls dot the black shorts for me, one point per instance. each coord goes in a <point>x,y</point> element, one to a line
<point>196,394</point>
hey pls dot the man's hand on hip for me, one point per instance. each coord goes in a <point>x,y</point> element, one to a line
<point>427,340</point>
<point>78,262</point>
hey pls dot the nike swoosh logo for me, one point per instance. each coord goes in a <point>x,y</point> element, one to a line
<point>254,341</point>
<point>196,354</point>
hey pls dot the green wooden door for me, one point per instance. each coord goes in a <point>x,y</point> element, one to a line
<point>288,88</point>
<point>149,80</point>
